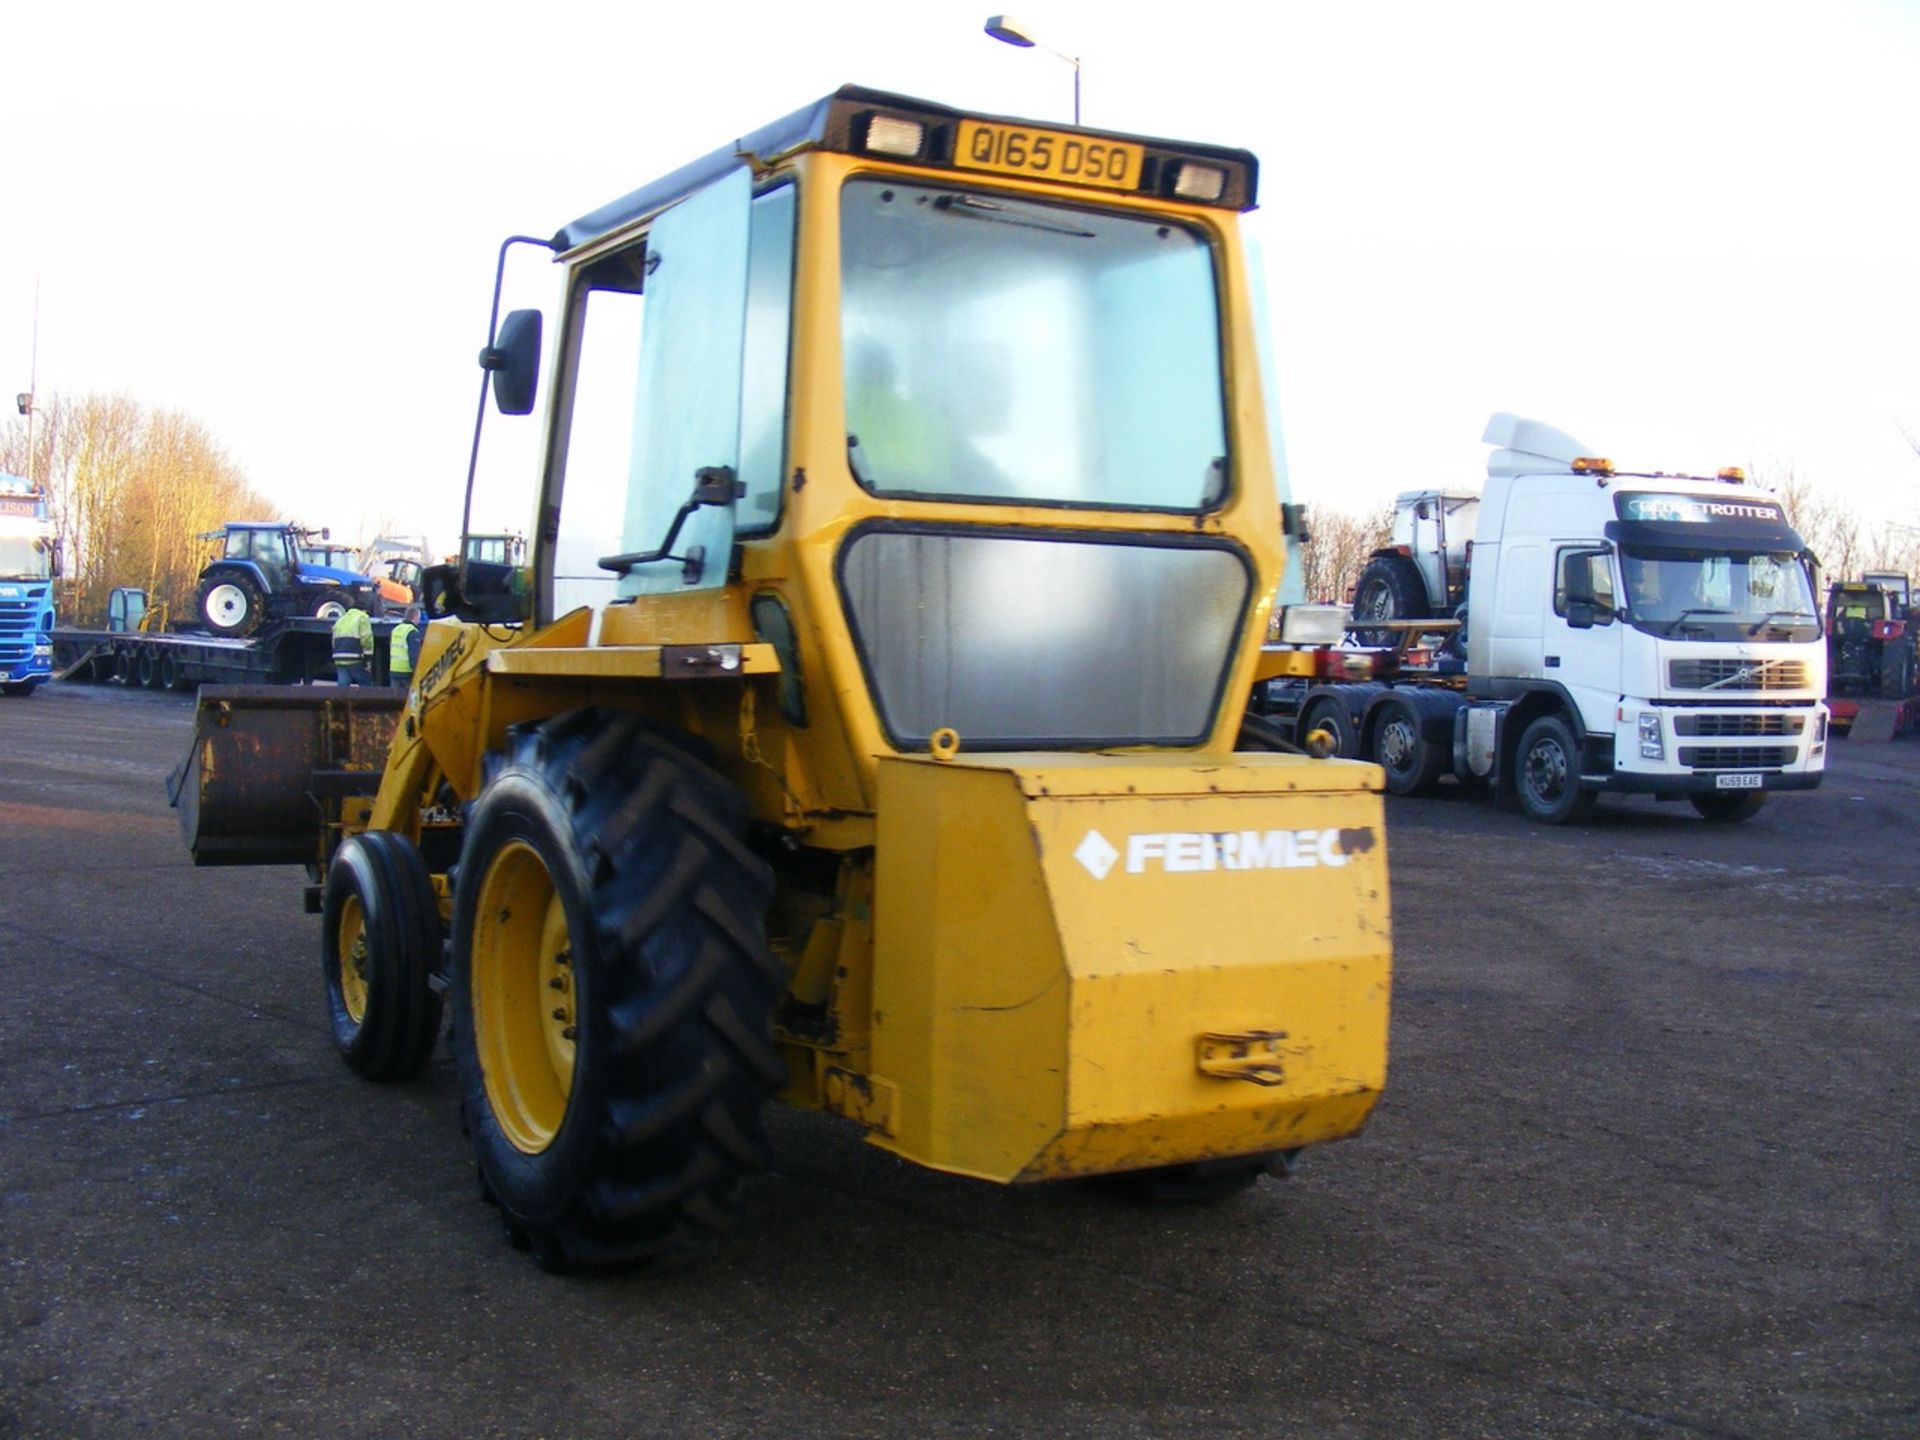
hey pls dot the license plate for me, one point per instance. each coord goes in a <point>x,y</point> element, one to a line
<point>1049,155</point>
<point>1736,782</point>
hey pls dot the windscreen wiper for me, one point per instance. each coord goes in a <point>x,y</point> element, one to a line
<point>1772,615</point>
<point>973,207</point>
<point>1675,623</point>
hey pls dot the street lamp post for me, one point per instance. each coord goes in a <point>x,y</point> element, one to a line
<point>1010,31</point>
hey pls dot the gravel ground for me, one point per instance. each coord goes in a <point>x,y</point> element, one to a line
<point>1646,1166</point>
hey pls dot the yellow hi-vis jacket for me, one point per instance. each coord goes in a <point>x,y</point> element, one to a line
<point>400,648</point>
<point>353,638</point>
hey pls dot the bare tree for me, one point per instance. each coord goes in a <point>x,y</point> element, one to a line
<point>1332,560</point>
<point>131,489</point>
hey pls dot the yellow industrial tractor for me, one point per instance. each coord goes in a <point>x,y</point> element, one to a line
<point>866,725</point>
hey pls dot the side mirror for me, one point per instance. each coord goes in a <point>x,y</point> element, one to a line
<point>57,562</point>
<point>514,362</point>
<point>1581,614</point>
<point>493,595</point>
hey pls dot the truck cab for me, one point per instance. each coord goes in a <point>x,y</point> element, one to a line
<point>1650,633</point>
<point>29,563</point>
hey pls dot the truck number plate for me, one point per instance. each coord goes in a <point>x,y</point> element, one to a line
<point>1049,155</point>
<point>1736,782</point>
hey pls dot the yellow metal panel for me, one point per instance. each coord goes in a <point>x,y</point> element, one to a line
<point>638,662</point>
<point>1064,953</point>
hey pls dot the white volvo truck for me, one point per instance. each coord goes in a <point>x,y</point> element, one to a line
<point>1646,633</point>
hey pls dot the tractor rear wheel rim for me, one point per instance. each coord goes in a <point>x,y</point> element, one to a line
<point>226,603</point>
<point>523,997</point>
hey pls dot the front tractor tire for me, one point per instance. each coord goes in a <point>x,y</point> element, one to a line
<point>612,990</point>
<point>380,939</point>
<point>1546,775</point>
<point>231,605</point>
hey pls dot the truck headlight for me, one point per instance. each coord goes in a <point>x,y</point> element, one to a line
<point>1652,746</point>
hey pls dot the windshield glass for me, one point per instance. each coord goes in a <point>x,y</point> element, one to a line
<point>1718,594</point>
<point>22,558</point>
<point>1003,349</point>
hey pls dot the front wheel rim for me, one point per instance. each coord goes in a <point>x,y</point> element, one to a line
<point>350,944</point>
<point>1547,772</point>
<point>522,991</point>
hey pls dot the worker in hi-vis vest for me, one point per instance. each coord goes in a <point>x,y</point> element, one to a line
<point>353,645</point>
<point>403,648</point>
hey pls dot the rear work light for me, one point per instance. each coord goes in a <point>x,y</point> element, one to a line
<point>1592,465</point>
<point>890,135</point>
<point>1199,182</point>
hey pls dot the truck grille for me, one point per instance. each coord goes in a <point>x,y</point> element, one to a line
<point>1737,674</point>
<point>17,619</point>
<point>1736,757</point>
<point>1739,724</point>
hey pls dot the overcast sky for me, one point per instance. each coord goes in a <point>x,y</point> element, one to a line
<point>1686,232</point>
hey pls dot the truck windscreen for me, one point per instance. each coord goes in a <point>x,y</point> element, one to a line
<point>1012,350</point>
<point>22,557</point>
<point>1719,595</point>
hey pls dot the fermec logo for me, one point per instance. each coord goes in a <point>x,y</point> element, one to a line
<point>1186,852</point>
<point>440,668</point>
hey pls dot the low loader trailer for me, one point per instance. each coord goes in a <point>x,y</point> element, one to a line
<point>294,651</point>
<point>865,722</point>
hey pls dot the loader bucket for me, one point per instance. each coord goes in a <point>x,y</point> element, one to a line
<point>270,765</point>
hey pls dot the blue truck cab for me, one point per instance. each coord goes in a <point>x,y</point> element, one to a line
<point>29,561</point>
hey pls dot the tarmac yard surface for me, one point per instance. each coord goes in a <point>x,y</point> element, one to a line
<point>1646,1166</point>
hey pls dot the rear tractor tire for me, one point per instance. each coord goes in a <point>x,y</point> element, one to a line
<point>1389,588</point>
<point>231,605</point>
<point>612,990</point>
<point>380,940</point>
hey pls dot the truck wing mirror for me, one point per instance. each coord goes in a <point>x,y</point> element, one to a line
<point>1582,614</point>
<point>514,362</point>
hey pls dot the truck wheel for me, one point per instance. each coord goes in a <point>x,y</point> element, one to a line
<point>1729,808</point>
<point>1547,777</point>
<point>1331,716</point>
<point>146,667</point>
<point>172,674</point>
<point>1412,762</point>
<point>613,990</point>
<point>231,605</point>
<point>1389,588</point>
<point>379,940</point>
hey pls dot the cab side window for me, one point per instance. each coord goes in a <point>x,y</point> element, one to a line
<point>1584,575</point>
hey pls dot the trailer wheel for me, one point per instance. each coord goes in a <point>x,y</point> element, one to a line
<point>1547,776</point>
<point>126,667</point>
<point>1331,716</point>
<point>1389,588</point>
<point>1729,807</point>
<point>231,605</point>
<point>379,940</point>
<point>172,674</point>
<point>1413,763</point>
<point>149,668</point>
<point>613,990</point>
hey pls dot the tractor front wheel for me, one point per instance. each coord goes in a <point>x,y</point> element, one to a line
<point>612,990</point>
<point>380,939</point>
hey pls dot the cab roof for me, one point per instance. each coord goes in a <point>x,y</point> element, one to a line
<point>840,122</point>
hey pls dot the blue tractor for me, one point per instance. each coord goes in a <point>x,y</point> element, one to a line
<point>259,576</point>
